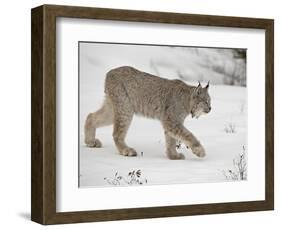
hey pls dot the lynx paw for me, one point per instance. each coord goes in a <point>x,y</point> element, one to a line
<point>96,143</point>
<point>178,156</point>
<point>130,152</point>
<point>199,151</point>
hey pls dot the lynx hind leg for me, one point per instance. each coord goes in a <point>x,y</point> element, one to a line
<point>102,117</point>
<point>122,118</point>
<point>171,148</point>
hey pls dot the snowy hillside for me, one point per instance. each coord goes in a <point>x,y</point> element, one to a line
<point>221,66</point>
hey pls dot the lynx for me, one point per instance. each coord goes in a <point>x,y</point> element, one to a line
<point>129,91</point>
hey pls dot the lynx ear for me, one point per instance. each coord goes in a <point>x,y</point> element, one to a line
<point>198,88</point>
<point>207,86</point>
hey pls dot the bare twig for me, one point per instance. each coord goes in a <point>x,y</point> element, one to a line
<point>239,172</point>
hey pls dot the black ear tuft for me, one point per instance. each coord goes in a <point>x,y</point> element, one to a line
<point>207,86</point>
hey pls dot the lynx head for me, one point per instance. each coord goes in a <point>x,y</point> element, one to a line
<point>201,101</point>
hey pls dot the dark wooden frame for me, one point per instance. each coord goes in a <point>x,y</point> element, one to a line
<point>43,160</point>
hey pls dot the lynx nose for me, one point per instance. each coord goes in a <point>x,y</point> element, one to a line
<point>207,110</point>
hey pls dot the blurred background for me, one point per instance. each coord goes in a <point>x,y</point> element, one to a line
<point>219,65</point>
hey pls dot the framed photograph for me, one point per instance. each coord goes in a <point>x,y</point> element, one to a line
<point>140,114</point>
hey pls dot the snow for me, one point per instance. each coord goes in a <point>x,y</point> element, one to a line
<point>229,106</point>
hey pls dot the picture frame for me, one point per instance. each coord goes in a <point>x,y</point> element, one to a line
<point>44,122</point>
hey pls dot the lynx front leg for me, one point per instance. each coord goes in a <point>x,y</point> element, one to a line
<point>171,148</point>
<point>121,125</point>
<point>178,131</point>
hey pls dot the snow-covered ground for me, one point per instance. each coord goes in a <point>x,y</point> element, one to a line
<point>229,107</point>
<point>145,135</point>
